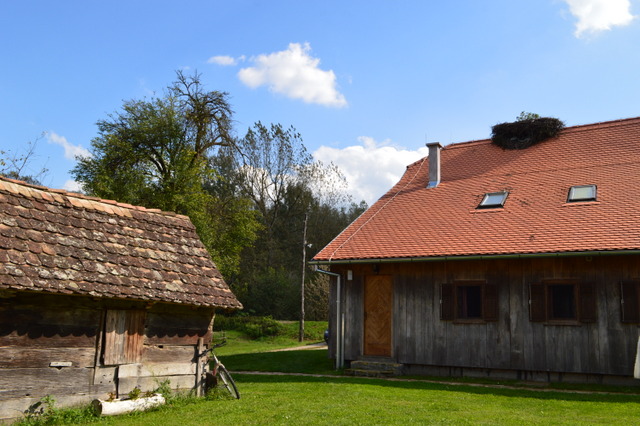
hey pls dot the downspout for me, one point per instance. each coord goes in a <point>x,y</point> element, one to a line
<point>339,325</point>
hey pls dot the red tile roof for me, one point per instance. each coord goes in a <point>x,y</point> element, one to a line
<point>411,221</point>
<point>59,242</point>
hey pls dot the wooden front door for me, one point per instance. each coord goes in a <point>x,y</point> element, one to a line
<point>378,312</point>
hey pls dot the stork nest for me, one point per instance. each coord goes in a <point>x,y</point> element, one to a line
<point>525,133</point>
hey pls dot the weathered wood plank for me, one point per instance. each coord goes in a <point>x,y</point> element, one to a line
<point>38,382</point>
<point>123,336</point>
<point>180,318</point>
<point>19,357</point>
<point>162,354</point>
<point>156,370</point>
<point>184,337</point>
<point>48,336</point>
<point>148,384</point>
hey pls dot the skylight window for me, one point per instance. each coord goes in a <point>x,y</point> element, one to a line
<point>582,193</point>
<point>493,200</point>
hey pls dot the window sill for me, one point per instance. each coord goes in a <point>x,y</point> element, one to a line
<point>461,321</point>
<point>563,322</point>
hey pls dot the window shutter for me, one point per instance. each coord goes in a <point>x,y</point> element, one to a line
<point>629,301</point>
<point>490,306</point>
<point>123,337</point>
<point>447,307</point>
<point>587,302</point>
<point>537,303</point>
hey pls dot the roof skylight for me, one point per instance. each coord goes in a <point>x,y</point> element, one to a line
<point>493,200</point>
<point>582,193</point>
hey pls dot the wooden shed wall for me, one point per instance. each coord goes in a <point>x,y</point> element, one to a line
<point>513,342</point>
<point>54,345</point>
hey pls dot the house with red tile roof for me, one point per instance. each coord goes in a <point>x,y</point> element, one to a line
<point>98,298</point>
<point>493,262</point>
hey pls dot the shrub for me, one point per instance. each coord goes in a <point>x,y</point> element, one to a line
<point>253,327</point>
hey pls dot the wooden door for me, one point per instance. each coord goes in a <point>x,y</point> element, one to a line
<point>378,312</point>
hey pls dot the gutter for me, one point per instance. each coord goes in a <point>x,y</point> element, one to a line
<point>339,320</point>
<point>472,257</point>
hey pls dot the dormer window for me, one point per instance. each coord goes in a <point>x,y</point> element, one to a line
<point>580,193</point>
<point>493,200</point>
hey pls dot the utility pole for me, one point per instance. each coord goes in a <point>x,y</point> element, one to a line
<point>304,267</point>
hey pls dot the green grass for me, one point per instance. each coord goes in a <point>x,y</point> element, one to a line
<point>238,343</point>
<point>346,401</point>
<point>304,361</point>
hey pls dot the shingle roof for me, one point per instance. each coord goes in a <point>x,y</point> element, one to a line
<point>411,221</point>
<point>59,242</point>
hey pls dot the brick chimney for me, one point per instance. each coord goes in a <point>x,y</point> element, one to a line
<point>434,164</point>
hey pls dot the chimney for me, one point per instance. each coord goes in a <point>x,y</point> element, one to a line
<point>434,164</point>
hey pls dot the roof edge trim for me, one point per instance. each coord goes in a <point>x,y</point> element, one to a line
<point>474,257</point>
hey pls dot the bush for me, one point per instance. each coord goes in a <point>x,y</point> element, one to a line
<point>253,327</point>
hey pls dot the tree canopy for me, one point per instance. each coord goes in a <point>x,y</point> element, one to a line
<point>247,196</point>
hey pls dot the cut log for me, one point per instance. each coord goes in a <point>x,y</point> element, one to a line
<point>114,408</point>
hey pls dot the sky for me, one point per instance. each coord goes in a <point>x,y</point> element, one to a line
<point>366,83</point>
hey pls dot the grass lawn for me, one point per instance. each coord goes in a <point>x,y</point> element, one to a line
<point>346,401</point>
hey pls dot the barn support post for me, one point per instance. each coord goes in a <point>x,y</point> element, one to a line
<point>200,367</point>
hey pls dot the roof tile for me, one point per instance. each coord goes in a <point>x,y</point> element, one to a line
<point>412,221</point>
<point>61,242</point>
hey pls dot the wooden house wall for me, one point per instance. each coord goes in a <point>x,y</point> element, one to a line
<point>606,346</point>
<point>53,345</point>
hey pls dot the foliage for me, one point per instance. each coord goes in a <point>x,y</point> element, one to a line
<point>17,166</point>
<point>251,326</point>
<point>135,393</point>
<point>528,130</point>
<point>274,170</point>
<point>247,197</point>
<point>45,412</point>
<point>524,116</point>
<point>157,153</point>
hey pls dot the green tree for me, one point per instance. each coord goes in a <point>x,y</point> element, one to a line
<point>156,153</point>
<point>285,185</point>
<point>524,116</point>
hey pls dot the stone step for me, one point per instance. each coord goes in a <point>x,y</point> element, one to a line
<point>377,365</point>
<point>368,373</point>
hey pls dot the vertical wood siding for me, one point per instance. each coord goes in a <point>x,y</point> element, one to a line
<point>600,344</point>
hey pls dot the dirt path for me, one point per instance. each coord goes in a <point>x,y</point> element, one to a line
<point>313,346</point>
<point>533,387</point>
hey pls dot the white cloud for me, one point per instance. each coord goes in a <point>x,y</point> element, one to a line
<point>372,168</point>
<point>295,74</point>
<point>599,15</point>
<point>72,186</point>
<point>71,152</point>
<point>224,60</point>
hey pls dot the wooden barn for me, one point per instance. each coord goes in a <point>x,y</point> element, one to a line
<point>98,297</point>
<point>491,262</point>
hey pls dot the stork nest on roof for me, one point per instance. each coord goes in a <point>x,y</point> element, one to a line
<point>525,133</point>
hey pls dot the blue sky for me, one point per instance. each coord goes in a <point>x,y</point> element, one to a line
<point>366,83</point>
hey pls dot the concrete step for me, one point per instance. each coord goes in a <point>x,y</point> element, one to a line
<point>368,373</point>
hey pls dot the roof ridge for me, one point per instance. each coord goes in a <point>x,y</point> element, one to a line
<point>575,128</point>
<point>603,124</point>
<point>85,201</point>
